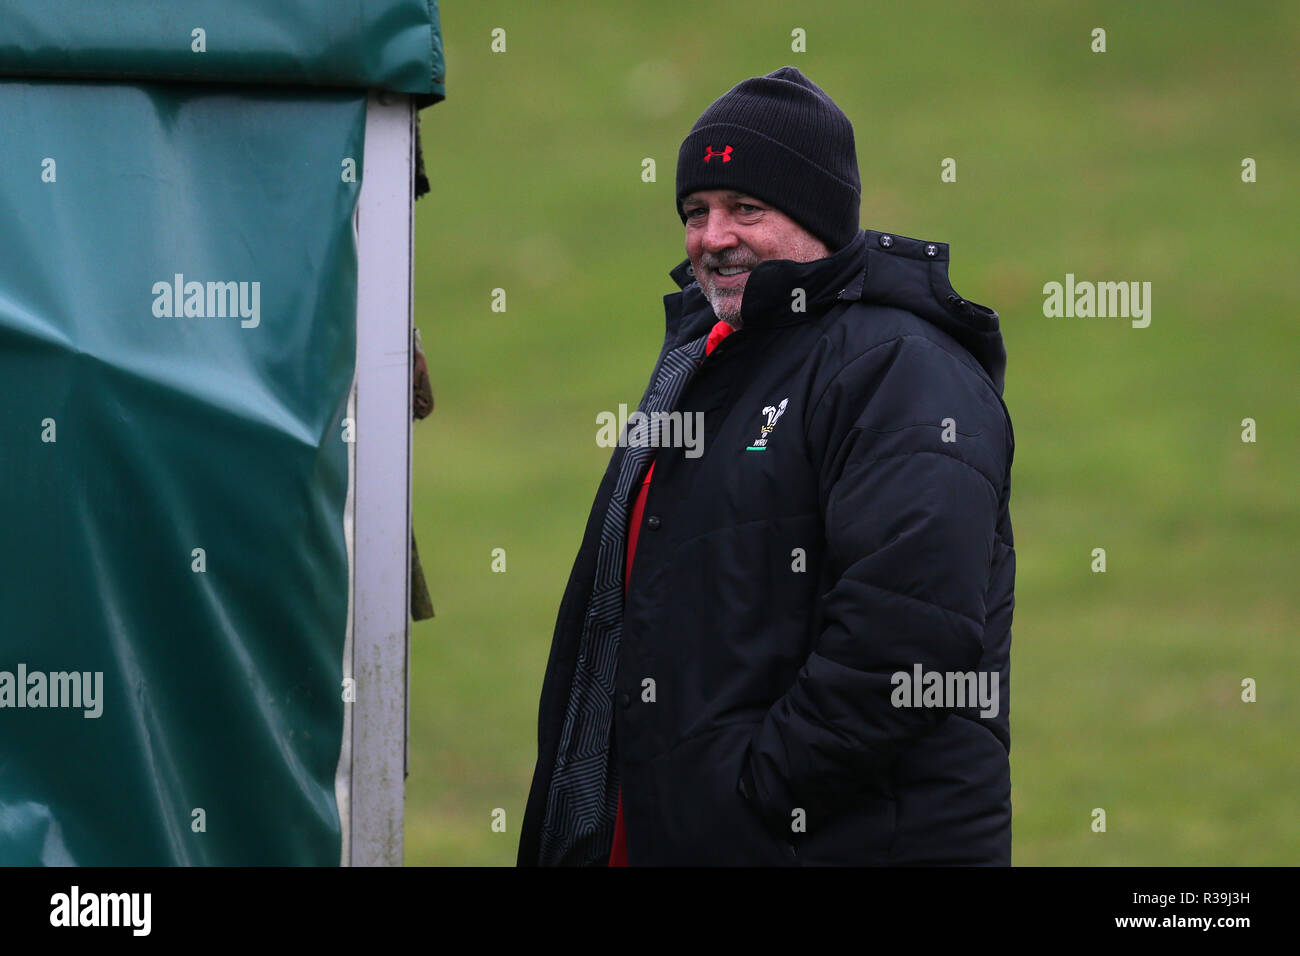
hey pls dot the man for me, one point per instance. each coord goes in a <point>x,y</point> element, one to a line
<point>792,648</point>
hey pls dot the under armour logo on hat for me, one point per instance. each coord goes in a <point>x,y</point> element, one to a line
<point>725,154</point>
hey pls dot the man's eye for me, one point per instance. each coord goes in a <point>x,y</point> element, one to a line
<point>750,207</point>
<point>692,212</point>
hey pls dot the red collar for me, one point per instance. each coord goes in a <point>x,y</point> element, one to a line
<point>716,335</point>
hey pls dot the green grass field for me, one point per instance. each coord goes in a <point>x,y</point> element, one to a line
<point>1123,165</point>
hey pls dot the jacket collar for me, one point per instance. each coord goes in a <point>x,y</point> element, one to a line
<point>876,268</point>
<point>769,300</point>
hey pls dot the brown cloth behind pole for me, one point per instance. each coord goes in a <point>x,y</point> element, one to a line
<point>421,407</point>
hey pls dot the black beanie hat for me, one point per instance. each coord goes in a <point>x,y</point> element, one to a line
<point>781,139</point>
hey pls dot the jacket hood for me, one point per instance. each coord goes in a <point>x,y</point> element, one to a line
<point>875,268</point>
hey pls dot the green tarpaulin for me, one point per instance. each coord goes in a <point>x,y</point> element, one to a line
<point>378,44</point>
<point>178,300</point>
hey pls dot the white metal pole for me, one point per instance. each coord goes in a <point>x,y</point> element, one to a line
<point>379,721</point>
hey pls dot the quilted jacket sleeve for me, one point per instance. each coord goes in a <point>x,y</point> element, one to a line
<point>912,447</point>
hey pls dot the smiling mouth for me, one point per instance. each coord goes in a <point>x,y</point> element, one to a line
<point>730,277</point>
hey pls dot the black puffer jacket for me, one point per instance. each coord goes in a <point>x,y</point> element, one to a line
<point>776,592</point>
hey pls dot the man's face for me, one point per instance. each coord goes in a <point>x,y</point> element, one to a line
<point>727,230</point>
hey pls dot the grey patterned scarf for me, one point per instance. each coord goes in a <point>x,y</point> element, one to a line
<point>582,802</point>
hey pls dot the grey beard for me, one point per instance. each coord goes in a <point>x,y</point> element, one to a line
<point>727,308</point>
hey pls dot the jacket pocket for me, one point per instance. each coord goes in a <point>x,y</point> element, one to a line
<point>859,835</point>
<point>700,817</point>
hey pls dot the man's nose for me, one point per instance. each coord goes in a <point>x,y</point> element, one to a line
<point>718,234</point>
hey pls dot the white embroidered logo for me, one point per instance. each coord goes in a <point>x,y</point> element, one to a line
<point>773,413</point>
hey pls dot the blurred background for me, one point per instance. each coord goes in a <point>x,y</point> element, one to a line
<point>1117,166</point>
